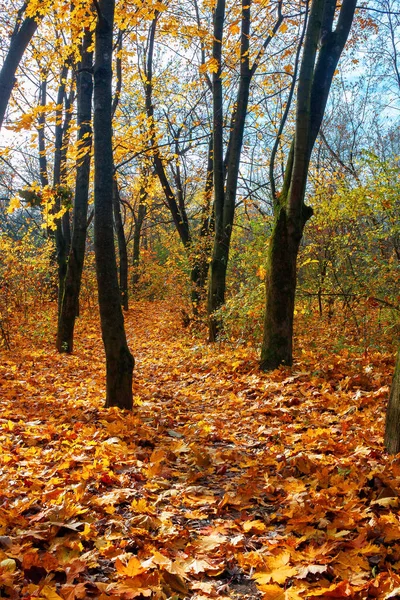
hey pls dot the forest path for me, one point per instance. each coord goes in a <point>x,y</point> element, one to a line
<point>222,477</point>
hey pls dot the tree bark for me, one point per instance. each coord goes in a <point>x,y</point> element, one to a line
<point>322,50</point>
<point>70,301</point>
<point>123,253</point>
<point>24,30</point>
<point>119,361</point>
<point>280,294</point>
<point>392,429</point>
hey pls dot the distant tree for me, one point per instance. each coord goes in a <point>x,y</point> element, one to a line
<point>173,178</point>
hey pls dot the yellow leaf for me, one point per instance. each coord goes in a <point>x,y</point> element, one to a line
<point>210,65</point>
<point>133,568</point>
<point>254,526</point>
<point>278,575</point>
<point>234,28</point>
<point>8,564</point>
<point>261,272</point>
<point>273,592</point>
<point>50,594</point>
<point>277,570</point>
<point>14,204</point>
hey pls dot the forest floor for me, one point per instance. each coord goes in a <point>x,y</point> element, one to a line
<point>223,482</point>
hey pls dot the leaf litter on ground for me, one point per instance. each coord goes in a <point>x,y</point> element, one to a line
<point>223,482</point>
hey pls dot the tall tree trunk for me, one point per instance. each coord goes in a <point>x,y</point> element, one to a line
<point>118,223</point>
<point>43,174</point>
<point>216,289</point>
<point>61,246</point>
<point>73,278</point>
<point>200,262</point>
<point>24,30</point>
<point>392,430</point>
<point>322,50</point>
<point>225,195</point>
<point>119,361</point>
<point>280,286</point>
<point>123,253</point>
<point>66,134</point>
<point>137,233</point>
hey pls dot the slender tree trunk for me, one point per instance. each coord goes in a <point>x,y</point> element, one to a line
<point>200,263</point>
<point>24,30</point>
<point>322,50</point>
<point>65,219</point>
<point>118,223</point>
<point>119,361</point>
<point>216,289</point>
<point>123,253</point>
<point>61,246</point>
<point>44,178</point>
<point>225,195</point>
<point>392,430</point>
<point>137,233</point>
<point>70,302</point>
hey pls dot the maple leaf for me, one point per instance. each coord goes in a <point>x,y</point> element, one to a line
<point>277,570</point>
<point>133,568</point>
<point>210,65</point>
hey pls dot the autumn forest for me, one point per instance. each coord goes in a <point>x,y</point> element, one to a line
<point>199,299</point>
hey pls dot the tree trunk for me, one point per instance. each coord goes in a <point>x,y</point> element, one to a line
<point>119,361</point>
<point>44,178</point>
<point>281,285</point>
<point>66,134</point>
<point>123,254</point>
<point>70,301</point>
<point>24,30</point>
<point>392,430</point>
<point>225,195</point>
<point>200,262</point>
<point>137,233</point>
<point>322,50</point>
<point>198,278</point>
<point>216,287</point>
